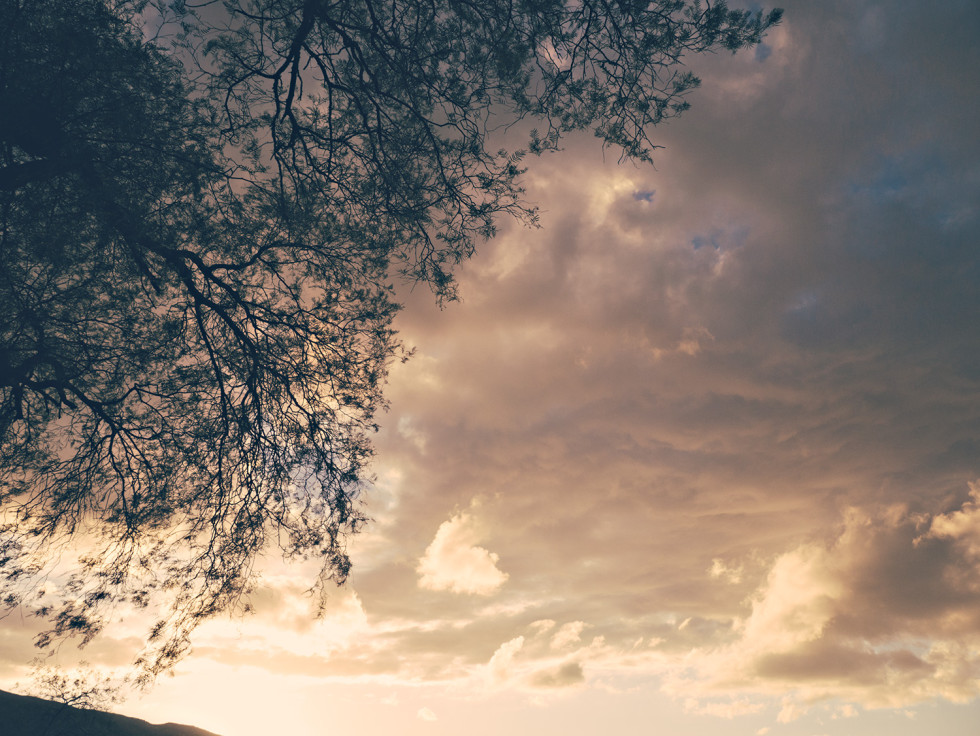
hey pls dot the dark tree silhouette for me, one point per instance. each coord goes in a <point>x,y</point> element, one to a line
<point>81,687</point>
<point>202,208</point>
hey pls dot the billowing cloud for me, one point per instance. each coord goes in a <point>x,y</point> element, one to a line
<point>454,562</point>
<point>530,662</point>
<point>564,675</point>
<point>885,614</point>
<point>567,635</point>
<point>500,667</point>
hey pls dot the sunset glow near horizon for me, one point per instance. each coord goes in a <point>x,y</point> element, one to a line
<point>701,455</point>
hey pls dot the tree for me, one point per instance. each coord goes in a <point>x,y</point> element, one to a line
<point>80,688</point>
<point>202,208</point>
<point>77,693</point>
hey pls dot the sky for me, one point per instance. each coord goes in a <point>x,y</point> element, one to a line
<point>700,455</point>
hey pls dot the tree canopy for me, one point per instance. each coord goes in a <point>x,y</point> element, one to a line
<point>203,208</point>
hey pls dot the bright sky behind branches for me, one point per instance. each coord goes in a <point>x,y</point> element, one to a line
<point>700,456</point>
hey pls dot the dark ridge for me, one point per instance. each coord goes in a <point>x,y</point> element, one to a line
<point>22,715</point>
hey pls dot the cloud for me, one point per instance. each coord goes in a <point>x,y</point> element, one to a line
<point>454,562</point>
<point>726,708</point>
<point>731,573</point>
<point>529,664</point>
<point>660,398</point>
<point>501,664</point>
<point>961,526</point>
<point>426,714</point>
<point>567,635</point>
<point>564,675</point>
<point>885,614</point>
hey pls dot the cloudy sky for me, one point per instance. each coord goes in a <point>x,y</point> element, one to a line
<point>701,455</point>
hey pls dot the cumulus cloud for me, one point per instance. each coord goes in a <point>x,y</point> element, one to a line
<point>885,614</point>
<point>454,562</point>
<point>527,664</point>
<point>426,714</point>
<point>567,635</point>
<point>563,675</point>
<point>961,526</point>
<point>501,665</point>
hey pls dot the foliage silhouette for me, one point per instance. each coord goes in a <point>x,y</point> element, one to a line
<point>203,206</point>
<point>79,688</point>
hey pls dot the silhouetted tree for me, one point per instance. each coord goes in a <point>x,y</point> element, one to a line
<point>81,687</point>
<point>202,208</point>
<point>78,692</point>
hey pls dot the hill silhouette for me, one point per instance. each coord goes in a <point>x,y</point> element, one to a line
<point>22,715</point>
